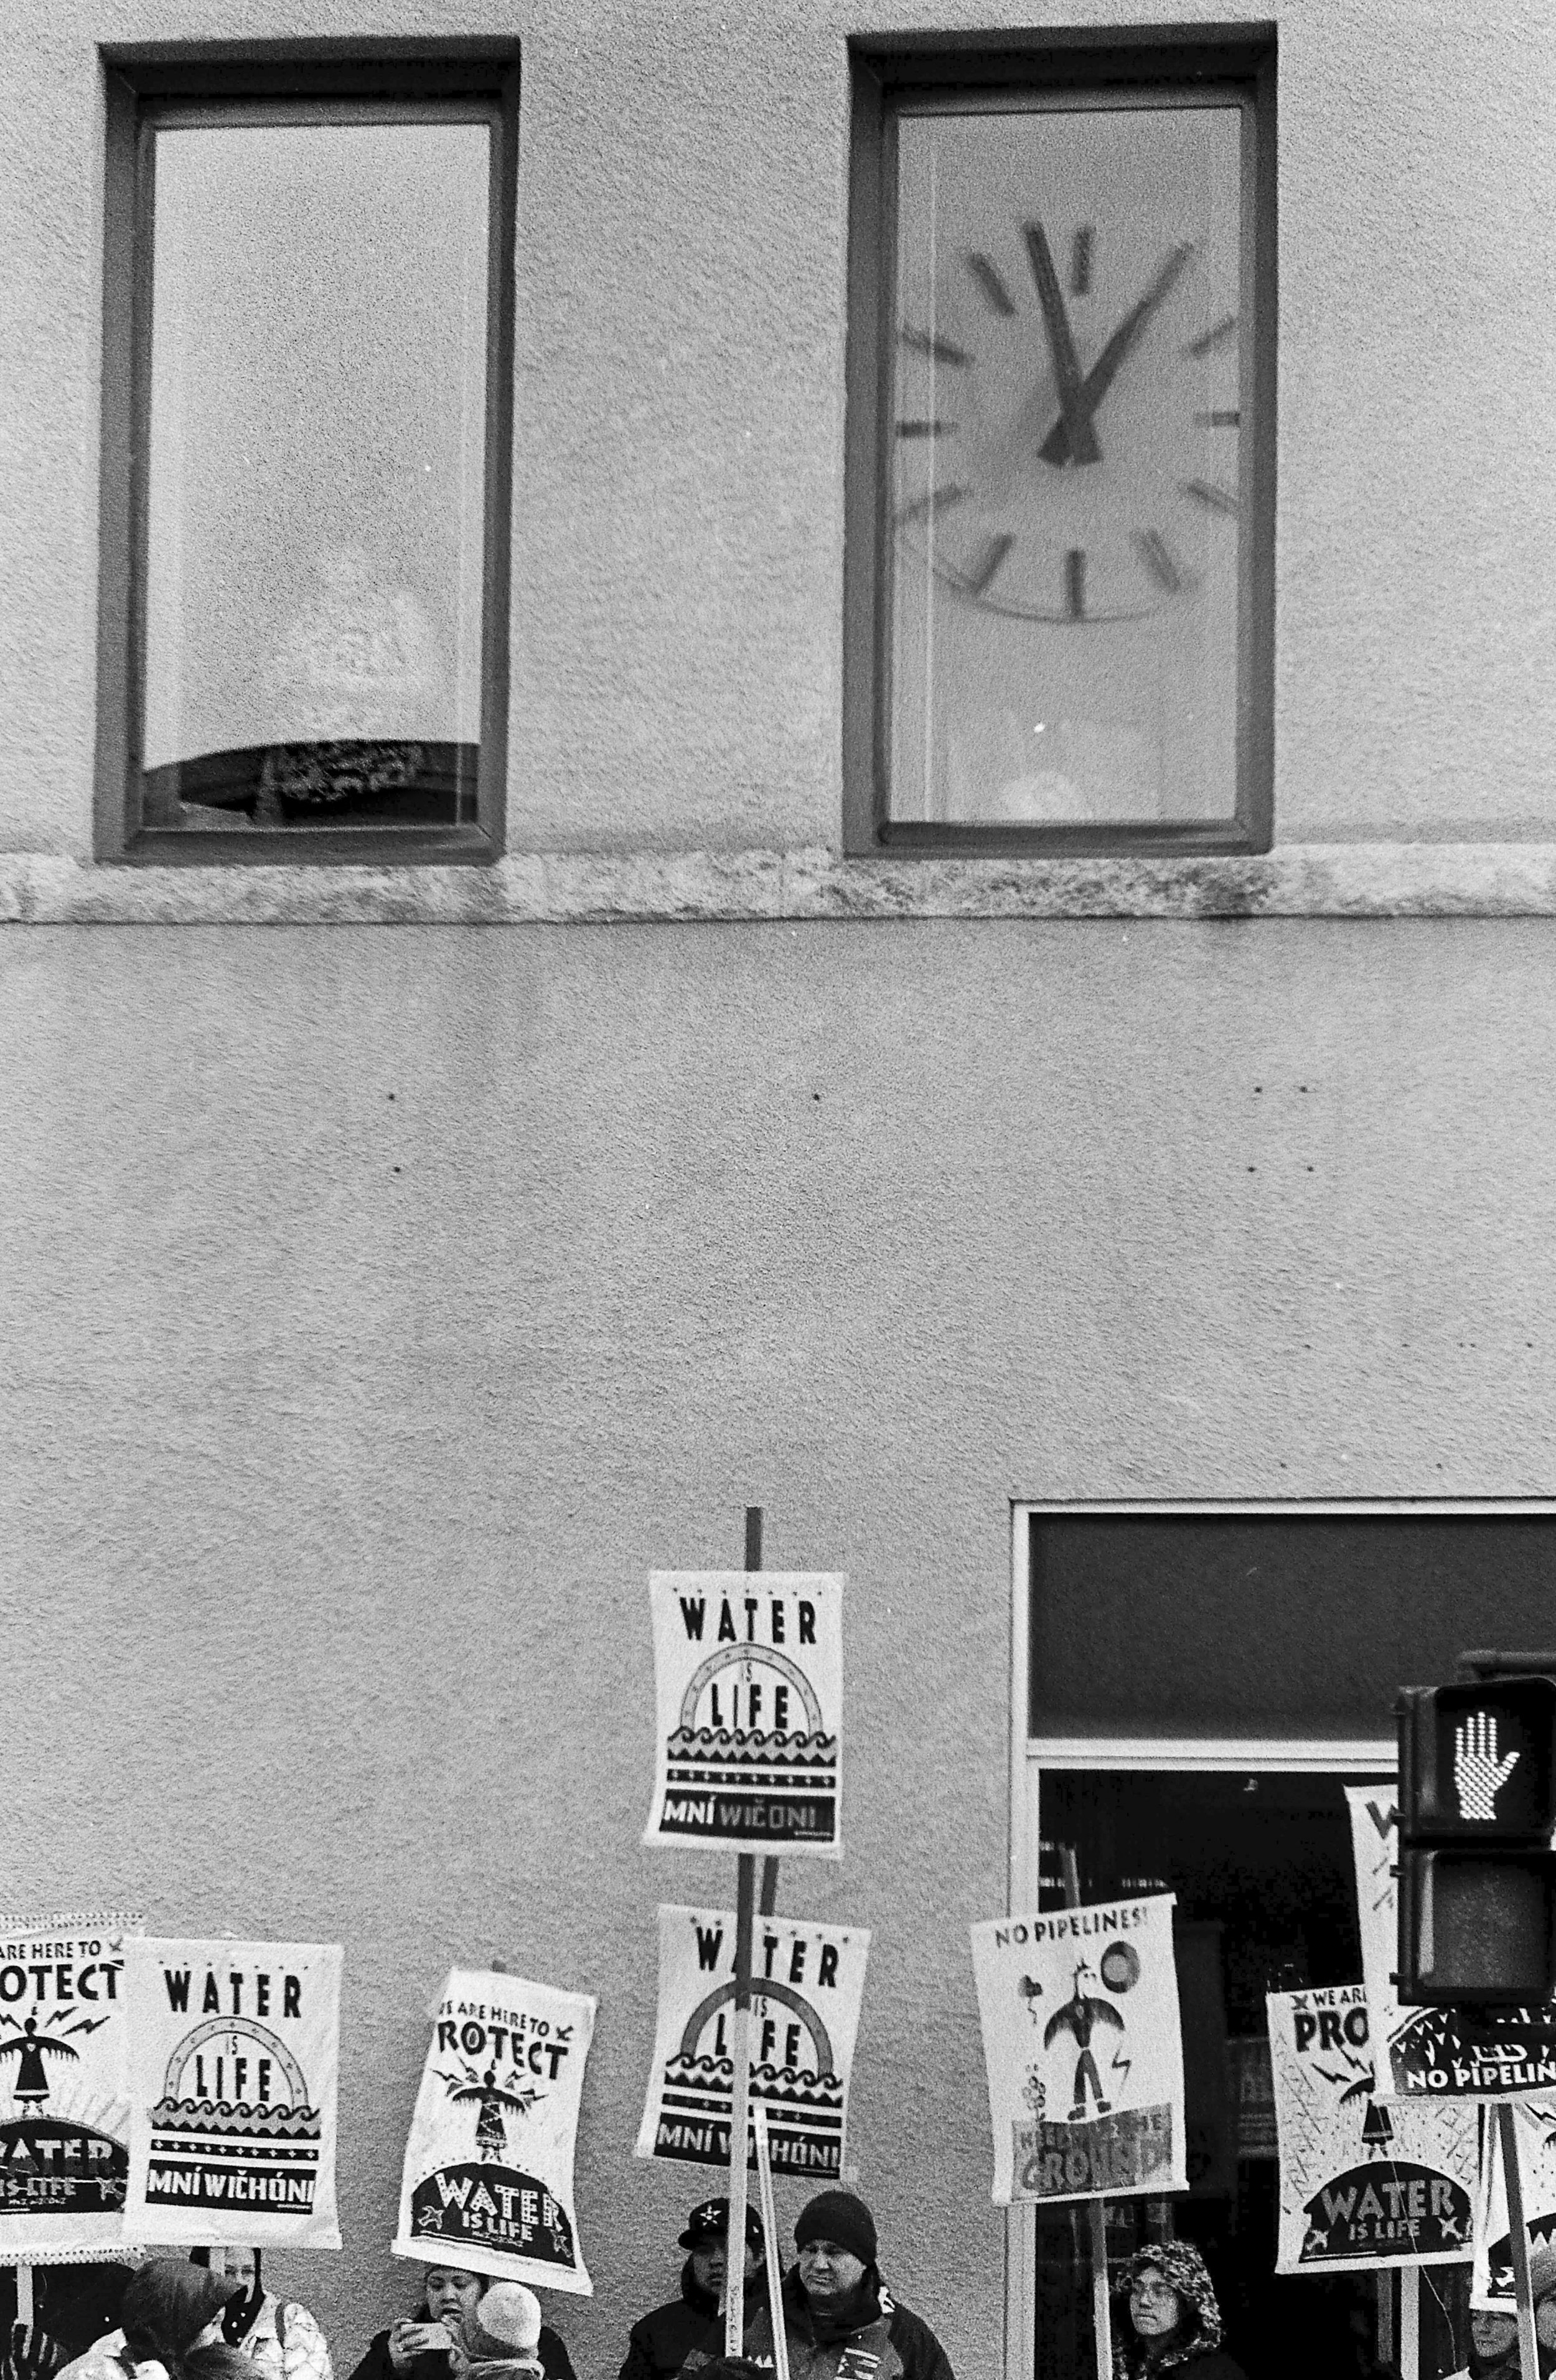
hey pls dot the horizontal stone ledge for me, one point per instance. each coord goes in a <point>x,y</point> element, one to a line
<point>1376,879</point>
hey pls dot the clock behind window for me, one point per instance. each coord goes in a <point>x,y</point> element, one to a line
<point>1071,503</point>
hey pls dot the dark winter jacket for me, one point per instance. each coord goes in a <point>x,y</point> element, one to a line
<point>660,2344</point>
<point>375,2365</point>
<point>898,2346</point>
<point>1194,2348</point>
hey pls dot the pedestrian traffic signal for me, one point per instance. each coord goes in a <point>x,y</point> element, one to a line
<point>1477,1817</point>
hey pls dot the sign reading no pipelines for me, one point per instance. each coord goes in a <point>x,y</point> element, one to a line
<point>748,1671</point>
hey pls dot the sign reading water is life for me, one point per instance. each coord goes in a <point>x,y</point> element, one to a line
<point>748,1673</point>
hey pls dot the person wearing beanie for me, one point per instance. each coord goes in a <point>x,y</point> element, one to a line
<point>660,2344</point>
<point>284,2340</point>
<point>170,2308</point>
<point>836,2305</point>
<point>420,2348</point>
<point>500,2337</point>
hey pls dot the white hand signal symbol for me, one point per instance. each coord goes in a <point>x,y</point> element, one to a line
<point>1478,1775</point>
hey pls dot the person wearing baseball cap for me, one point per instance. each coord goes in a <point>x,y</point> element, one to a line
<point>693,2322</point>
<point>836,2304</point>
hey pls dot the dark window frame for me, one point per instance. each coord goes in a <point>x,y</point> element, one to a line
<point>884,77</point>
<point>424,79</point>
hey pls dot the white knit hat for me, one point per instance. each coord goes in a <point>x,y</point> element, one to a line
<point>505,2323</point>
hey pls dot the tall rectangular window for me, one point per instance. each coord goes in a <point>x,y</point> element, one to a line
<point>1060,500</point>
<point>309,338</point>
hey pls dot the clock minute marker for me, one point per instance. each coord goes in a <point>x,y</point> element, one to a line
<point>1227,417</point>
<point>1206,492</point>
<point>1152,549</point>
<point>926,429</point>
<point>981,576</point>
<point>1212,337</point>
<point>1081,261</point>
<point>987,275</point>
<point>927,507</point>
<point>1075,582</point>
<point>929,343</point>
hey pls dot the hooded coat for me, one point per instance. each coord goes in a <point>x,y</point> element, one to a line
<point>1196,2343</point>
<point>166,2306</point>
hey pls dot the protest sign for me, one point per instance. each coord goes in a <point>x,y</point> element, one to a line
<point>1083,2050</point>
<point>807,1981</point>
<point>1535,2131</point>
<point>748,1677</point>
<point>487,2177</point>
<point>1463,2053</point>
<point>1362,2182</point>
<point>233,2059</point>
<point>64,2112</point>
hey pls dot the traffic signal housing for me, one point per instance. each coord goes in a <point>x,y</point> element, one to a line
<point>1477,1817</point>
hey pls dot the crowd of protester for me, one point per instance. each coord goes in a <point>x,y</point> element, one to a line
<point>213,2318</point>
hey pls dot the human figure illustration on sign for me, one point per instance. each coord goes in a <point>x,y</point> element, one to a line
<point>1080,2016</point>
<point>484,2092</point>
<point>29,2048</point>
<point>1478,1775</point>
<point>1356,2080</point>
<point>1377,2129</point>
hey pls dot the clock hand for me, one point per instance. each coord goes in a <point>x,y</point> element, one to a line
<point>1060,445</point>
<point>1080,439</point>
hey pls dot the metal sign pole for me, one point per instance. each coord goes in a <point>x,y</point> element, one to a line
<point>1513,2182</point>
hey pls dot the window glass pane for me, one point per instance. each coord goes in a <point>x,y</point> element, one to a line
<point>1065,477</point>
<point>315,477</point>
<point>1208,1624</point>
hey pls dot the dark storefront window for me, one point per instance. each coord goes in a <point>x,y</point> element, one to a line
<point>1280,1638</point>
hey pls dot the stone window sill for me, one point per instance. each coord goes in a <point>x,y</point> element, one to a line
<point>1380,879</point>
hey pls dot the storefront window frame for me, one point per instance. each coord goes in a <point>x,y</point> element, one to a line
<point>1355,1757</point>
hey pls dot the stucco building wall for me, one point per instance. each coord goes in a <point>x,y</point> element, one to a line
<point>679,409</point>
<point>332,1488</point>
<point>382,1304</point>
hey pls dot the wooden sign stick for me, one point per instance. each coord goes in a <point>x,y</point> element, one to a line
<point>740,2047</point>
<point>1410,2322</point>
<point>770,2237</point>
<point>1096,2208</point>
<point>740,2112</point>
<point>1512,2183</point>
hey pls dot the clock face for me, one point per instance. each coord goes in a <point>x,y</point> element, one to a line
<point>1066,425</point>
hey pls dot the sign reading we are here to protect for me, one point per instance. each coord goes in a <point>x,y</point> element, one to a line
<point>748,1673</point>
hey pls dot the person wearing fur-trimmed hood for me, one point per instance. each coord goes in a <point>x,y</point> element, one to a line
<point>1167,2318</point>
